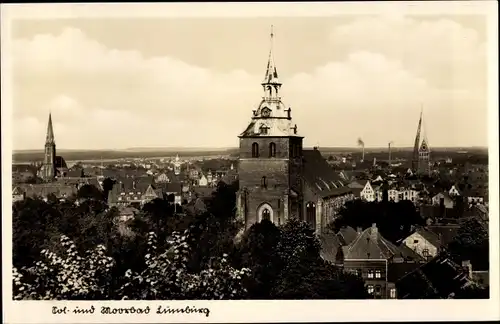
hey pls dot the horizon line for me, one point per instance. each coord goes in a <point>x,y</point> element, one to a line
<point>173,148</point>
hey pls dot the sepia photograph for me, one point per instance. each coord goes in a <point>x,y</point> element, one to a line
<point>254,157</point>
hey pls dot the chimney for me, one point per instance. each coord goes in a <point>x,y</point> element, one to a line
<point>374,232</point>
<point>467,267</point>
<point>359,230</point>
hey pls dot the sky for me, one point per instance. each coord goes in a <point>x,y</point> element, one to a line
<point>193,82</point>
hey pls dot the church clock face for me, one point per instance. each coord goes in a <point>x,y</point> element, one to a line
<point>266,112</point>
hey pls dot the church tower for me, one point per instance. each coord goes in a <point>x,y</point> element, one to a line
<point>270,158</point>
<point>424,158</point>
<point>49,162</point>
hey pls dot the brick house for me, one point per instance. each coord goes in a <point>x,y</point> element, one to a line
<point>378,261</point>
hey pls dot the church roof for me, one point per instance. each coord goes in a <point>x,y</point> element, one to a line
<point>60,163</point>
<point>270,127</point>
<point>322,179</point>
<point>42,190</point>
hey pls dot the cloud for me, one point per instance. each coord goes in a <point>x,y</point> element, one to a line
<point>441,50</point>
<point>103,97</point>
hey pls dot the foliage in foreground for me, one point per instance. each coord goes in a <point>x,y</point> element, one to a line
<point>70,276</point>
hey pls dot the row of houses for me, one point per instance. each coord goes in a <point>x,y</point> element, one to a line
<point>391,271</point>
<point>373,191</point>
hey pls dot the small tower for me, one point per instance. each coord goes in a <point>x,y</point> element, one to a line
<point>270,160</point>
<point>48,171</point>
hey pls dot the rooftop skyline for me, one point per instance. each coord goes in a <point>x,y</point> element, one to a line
<point>193,82</point>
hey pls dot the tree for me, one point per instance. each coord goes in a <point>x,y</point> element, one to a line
<point>69,276</point>
<point>305,275</point>
<point>107,186</point>
<point>90,192</point>
<point>394,220</point>
<point>471,243</point>
<point>257,251</point>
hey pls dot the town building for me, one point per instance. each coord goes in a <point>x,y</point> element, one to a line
<point>443,199</point>
<point>424,242</point>
<point>379,262</point>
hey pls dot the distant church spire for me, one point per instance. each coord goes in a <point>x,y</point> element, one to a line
<point>50,132</point>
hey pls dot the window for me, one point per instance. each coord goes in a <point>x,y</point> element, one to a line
<point>255,150</point>
<point>370,273</point>
<point>425,253</point>
<point>392,293</point>
<point>263,129</point>
<point>263,182</point>
<point>415,241</point>
<point>266,214</point>
<point>359,272</point>
<point>378,274</point>
<point>378,288</point>
<point>370,289</point>
<point>272,150</point>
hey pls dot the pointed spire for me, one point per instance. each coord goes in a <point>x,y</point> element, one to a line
<point>50,132</point>
<point>271,76</point>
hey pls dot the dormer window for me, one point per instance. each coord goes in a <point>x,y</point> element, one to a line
<point>264,130</point>
<point>266,112</point>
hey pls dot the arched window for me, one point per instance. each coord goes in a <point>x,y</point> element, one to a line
<point>272,149</point>
<point>265,211</point>
<point>255,150</point>
<point>311,213</point>
<point>266,214</point>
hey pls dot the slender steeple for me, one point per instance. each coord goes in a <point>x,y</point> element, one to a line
<point>271,80</point>
<point>417,142</point>
<point>50,132</point>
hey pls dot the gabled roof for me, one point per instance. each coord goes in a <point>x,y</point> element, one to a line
<point>429,236</point>
<point>60,163</point>
<point>445,195</point>
<point>371,245</point>
<point>346,235</point>
<point>446,233</point>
